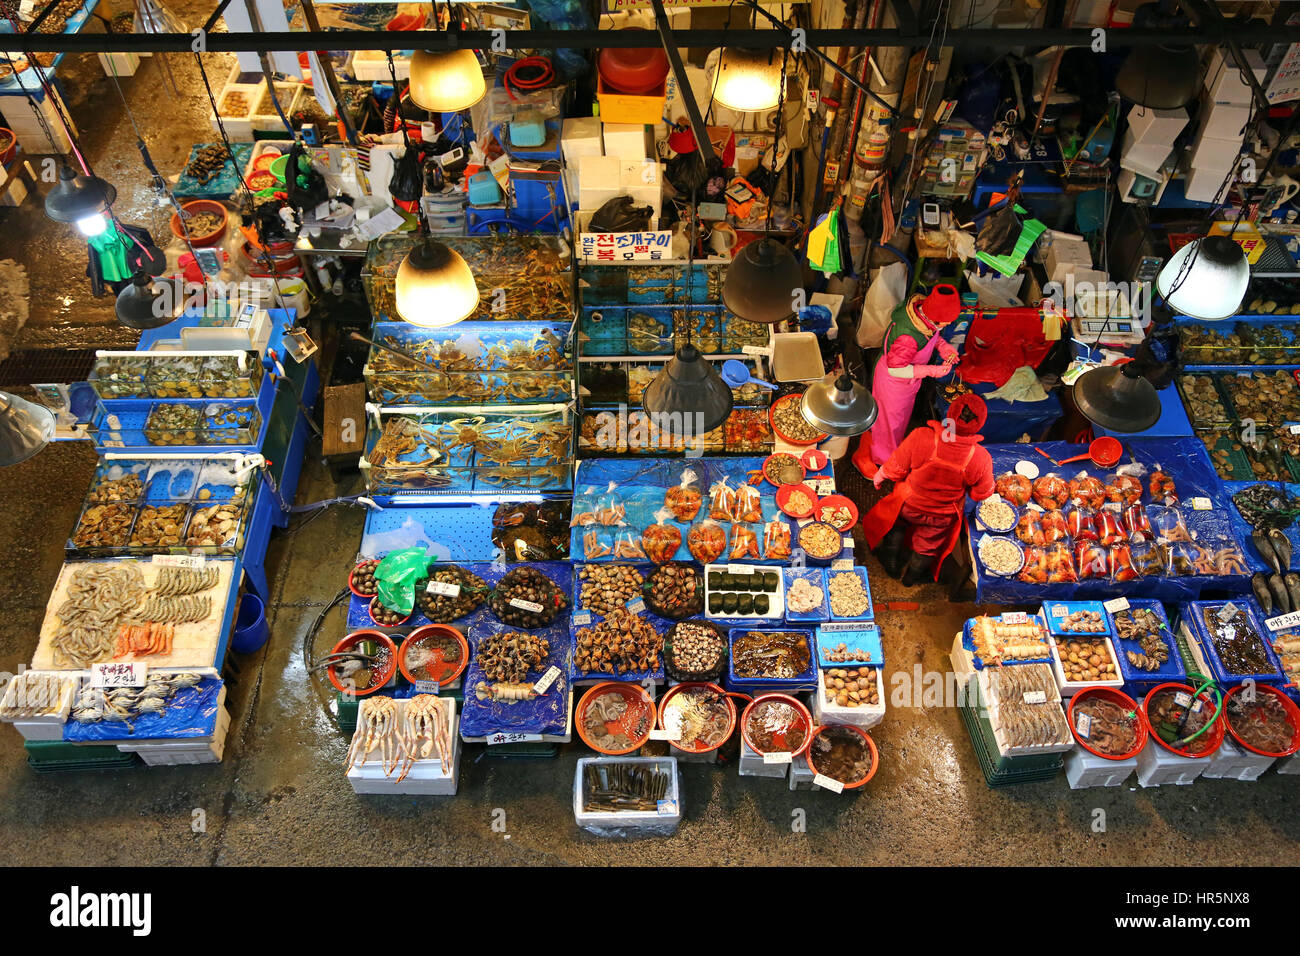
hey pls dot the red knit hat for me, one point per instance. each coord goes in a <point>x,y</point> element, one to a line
<point>972,423</point>
<point>942,305</point>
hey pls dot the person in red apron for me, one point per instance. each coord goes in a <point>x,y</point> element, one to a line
<point>933,471</point>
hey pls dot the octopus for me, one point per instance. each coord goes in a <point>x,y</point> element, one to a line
<point>603,711</point>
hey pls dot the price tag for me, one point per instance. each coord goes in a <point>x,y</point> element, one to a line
<point>1227,612</point>
<point>782,756</point>
<point>1114,506</point>
<point>427,687</point>
<point>1084,725</point>
<point>111,443</point>
<point>1196,707</point>
<point>546,680</point>
<point>739,569</point>
<point>113,422</point>
<point>636,605</point>
<point>1201,504</point>
<point>494,740</point>
<point>1014,617</point>
<point>445,588</point>
<point>1116,604</point>
<point>658,734</point>
<point>1294,429</point>
<point>532,607</point>
<point>666,808</point>
<point>848,541</point>
<point>194,562</point>
<point>1283,621</point>
<point>1035,697</point>
<point>813,96</point>
<point>581,618</point>
<point>755,350</point>
<point>823,486</point>
<point>842,564</point>
<point>1182,698</point>
<point>120,674</point>
<point>826,783</point>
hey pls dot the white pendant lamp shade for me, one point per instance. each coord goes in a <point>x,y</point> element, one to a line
<point>747,79</point>
<point>25,428</point>
<point>446,82</point>
<point>1210,286</point>
<point>434,286</point>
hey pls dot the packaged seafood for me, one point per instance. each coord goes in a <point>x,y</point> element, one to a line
<point>1086,492</point>
<point>1060,566</point>
<point>1091,560</point>
<point>1169,525</point>
<point>1150,559</point>
<point>1081,524</point>
<point>744,543</point>
<point>1162,488</point>
<point>661,541</point>
<point>1137,525</point>
<point>1029,529</point>
<point>1034,569</point>
<point>776,541</point>
<point>706,541</point>
<point>749,504</point>
<point>684,499</point>
<point>1121,564</point>
<point>1123,490</point>
<point>1109,531</point>
<point>1014,488</point>
<point>999,640</point>
<point>1055,527</point>
<point>722,501</point>
<point>1051,492</point>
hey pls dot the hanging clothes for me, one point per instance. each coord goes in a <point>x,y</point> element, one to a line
<point>110,263</point>
<point>1000,342</point>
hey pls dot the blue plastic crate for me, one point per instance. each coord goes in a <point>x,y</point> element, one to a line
<point>968,642</point>
<point>1193,613</point>
<point>807,681</point>
<point>817,578</point>
<point>865,635</point>
<point>869,614</point>
<point>1172,669</point>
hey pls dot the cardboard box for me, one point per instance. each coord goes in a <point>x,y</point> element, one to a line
<point>1156,127</point>
<point>627,140</point>
<point>1058,249</point>
<point>581,136</point>
<point>640,173</point>
<point>1207,153</point>
<point>1223,82</point>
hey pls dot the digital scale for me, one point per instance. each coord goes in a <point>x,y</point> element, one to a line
<point>1120,330</point>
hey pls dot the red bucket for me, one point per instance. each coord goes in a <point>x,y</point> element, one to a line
<point>1117,697</point>
<point>1214,734</point>
<point>1288,706</point>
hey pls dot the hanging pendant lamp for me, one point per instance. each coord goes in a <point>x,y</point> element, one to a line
<point>1117,398</point>
<point>77,198</point>
<point>761,282</point>
<point>446,81</point>
<point>152,17</point>
<point>25,428</point>
<point>141,305</point>
<point>689,394</point>
<point>1209,286</point>
<point>434,286</point>
<point>747,79</point>
<point>837,405</point>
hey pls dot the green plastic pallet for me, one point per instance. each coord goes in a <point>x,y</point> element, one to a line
<point>57,756</point>
<point>1008,771</point>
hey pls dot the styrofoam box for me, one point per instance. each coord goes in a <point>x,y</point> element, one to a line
<point>581,136</point>
<point>1085,769</point>
<point>270,122</point>
<point>1070,688</point>
<point>1222,78</point>
<point>426,775</point>
<point>175,751</point>
<point>1234,762</point>
<point>1156,126</point>
<point>371,65</point>
<point>1145,158</point>
<point>1223,121</point>
<point>1156,766</point>
<point>665,820</point>
<point>801,775</point>
<point>238,128</point>
<point>640,173</point>
<point>1127,179</point>
<point>752,764</point>
<point>597,181</point>
<point>1208,153</point>
<point>864,717</point>
<point>627,140</point>
<point>45,726</point>
<point>776,599</point>
<point>1289,765</point>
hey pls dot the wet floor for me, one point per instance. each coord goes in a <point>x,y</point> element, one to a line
<point>280,797</point>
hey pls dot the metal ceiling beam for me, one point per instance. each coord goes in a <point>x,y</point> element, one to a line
<point>703,145</point>
<point>297,41</point>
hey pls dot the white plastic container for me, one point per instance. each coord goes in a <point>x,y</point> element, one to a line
<point>1234,762</point>
<point>866,717</point>
<point>752,763</point>
<point>371,65</point>
<point>288,94</point>
<point>170,752</point>
<point>1156,766</point>
<point>801,775</point>
<point>661,822</point>
<point>48,726</point>
<point>239,127</point>
<point>1289,765</point>
<point>1084,769</point>
<point>426,776</point>
<point>1070,688</point>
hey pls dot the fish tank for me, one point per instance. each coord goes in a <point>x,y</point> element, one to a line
<point>471,363</point>
<point>623,382</point>
<point>661,330</point>
<point>520,278</point>
<point>652,283</point>
<point>231,423</point>
<point>134,506</point>
<point>609,432</point>
<point>412,450</point>
<point>223,374</point>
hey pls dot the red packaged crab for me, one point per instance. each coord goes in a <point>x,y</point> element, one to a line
<point>1087,492</point>
<point>1121,564</point>
<point>1055,527</point>
<point>1060,568</point>
<point>1029,529</point>
<point>1080,524</point>
<point>1091,559</point>
<point>1051,492</point>
<point>1014,488</point>
<point>1124,490</point>
<point>1109,531</point>
<point>1035,569</point>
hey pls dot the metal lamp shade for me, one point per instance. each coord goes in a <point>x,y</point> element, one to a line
<point>689,391</point>
<point>761,282</point>
<point>1214,283</point>
<point>1116,401</point>
<point>747,79</point>
<point>1160,78</point>
<point>140,305</point>
<point>434,286</point>
<point>152,17</point>
<point>25,428</point>
<point>446,82</point>
<point>75,197</point>
<point>839,406</point>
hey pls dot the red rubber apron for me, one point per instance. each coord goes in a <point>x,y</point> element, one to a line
<point>885,514</point>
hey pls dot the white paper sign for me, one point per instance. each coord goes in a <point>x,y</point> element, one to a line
<point>826,783</point>
<point>194,562</point>
<point>1035,697</point>
<point>118,674</point>
<point>496,739</point>
<point>444,588</point>
<point>546,680</point>
<point>427,687</point>
<point>1116,604</point>
<point>1201,504</point>
<point>781,756</point>
<point>532,607</point>
<point>626,246</point>
<point>1283,621</point>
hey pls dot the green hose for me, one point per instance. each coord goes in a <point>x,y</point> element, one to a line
<point>1218,706</point>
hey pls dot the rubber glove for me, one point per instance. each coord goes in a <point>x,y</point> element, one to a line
<point>945,350</point>
<point>930,371</point>
<point>879,478</point>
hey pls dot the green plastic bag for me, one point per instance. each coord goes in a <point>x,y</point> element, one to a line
<point>396,577</point>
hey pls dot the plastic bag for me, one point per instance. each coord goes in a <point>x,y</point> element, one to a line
<point>1150,559</point>
<point>1121,564</point>
<point>722,501</point>
<point>1014,488</point>
<point>1091,559</point>
<point>1162,488</point>
<point>595,544</point>
<point>706,541</point>
<point>661,540</point>
<point>887,289</point>
<point>749,504</point>
<point>1035,569</point>
<point>684,499</point>
<point>1087,492</point>
<point>1029,529</point>
<point>776,541</point>
<point>1051,492</point>
<point>1137,525</point>
<point>996,291</point>
<point>744,542</point>
<point>396,576</point>
<point>1054,526</point>
<point>1124,490</point>
<point>1060,568</point>
<point>1169,525</point>
<point>628,547</point>
<point>1109,532</point>
<point>1081,525</point>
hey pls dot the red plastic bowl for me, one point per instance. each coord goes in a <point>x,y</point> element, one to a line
<point>351,641</point>
<point>1292,711</point>
<point>1118,697</point>
<point>839,501</point>
<point>1214,734</point>
<point>783,494</point>
<point>804,718</point>
<point>803,472</point>
<point>635,70</point>
<point>871,746</point>
<point>209,238</point>
<point>370,608</point>
<point>814,459</point>
<point>452,669</point>
<point>638,701</point>
<point>360,594</point>
<point>771,419</point>
<point>731,714</point>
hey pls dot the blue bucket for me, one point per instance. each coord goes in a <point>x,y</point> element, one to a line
<point>251,630</point>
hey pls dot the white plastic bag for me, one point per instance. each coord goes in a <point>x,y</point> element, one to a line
<point>996,291</point>
<point>887,289</point>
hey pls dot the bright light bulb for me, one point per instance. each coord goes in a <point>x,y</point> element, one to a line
<point>92,225</point>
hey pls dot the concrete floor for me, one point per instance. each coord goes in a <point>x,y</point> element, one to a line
<point>279,796</point>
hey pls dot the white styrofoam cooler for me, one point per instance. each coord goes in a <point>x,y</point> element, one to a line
<point>1234,762</point>
<point>44,726</point>
<point>865,717</point>
<point>1085,769</point>
<point>752,764</point>
<point>1157,766</point>
<point>663,821</point>
<point>426,776</point>
<point>171,752</point>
